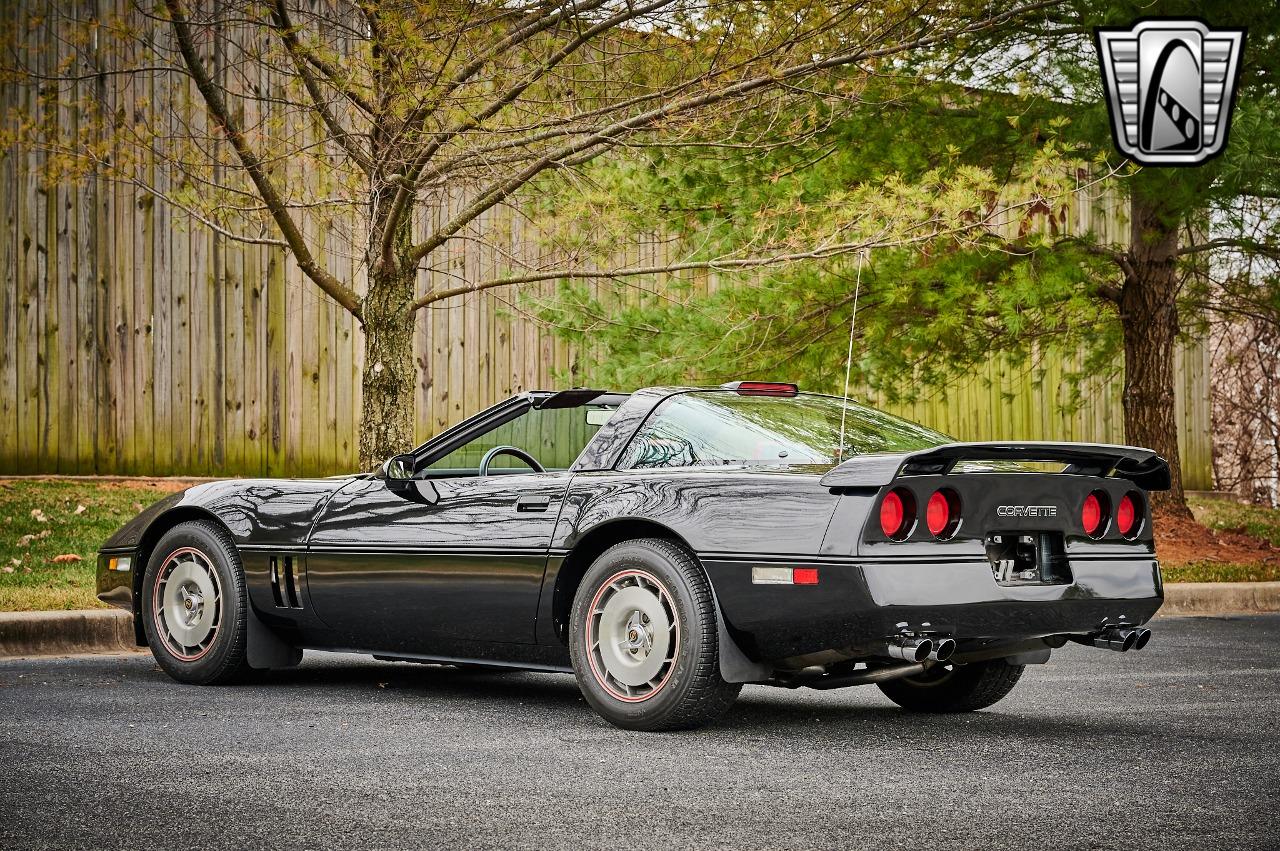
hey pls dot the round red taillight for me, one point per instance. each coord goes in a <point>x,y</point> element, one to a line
<point>1093,514</point>
<point>942,515</point>
<point>897,513</point>
<point>1127,515</point>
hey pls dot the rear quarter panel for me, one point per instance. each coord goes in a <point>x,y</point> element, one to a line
<point>712,510</point>
<point>731,518</point>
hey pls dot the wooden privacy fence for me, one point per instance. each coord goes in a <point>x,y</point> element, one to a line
<point>131,346</point>
<point>134,341</point>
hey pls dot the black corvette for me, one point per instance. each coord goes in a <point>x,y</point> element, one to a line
<point>666,546</point>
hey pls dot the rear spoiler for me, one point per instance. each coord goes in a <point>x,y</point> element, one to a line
<point>1143,467</point>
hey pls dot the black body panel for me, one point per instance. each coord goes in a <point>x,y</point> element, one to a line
<point>858,604</point>
<point>263,516</point>
<point>856,530</point>
<point>276,512</point>
<point>710,509</point>
<point>453,559</point>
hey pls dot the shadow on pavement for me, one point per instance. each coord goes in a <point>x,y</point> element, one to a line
<point>775,711</point>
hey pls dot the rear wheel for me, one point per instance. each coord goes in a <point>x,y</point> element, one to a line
<point>644,639</point>
<point>954,688</point>
<point>194,607</point>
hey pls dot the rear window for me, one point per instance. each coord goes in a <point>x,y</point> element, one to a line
<point>723,427</point>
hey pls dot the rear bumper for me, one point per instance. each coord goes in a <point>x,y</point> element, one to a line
<point>856,605</point>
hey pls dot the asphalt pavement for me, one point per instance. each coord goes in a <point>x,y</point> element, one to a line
<point>1171,747</point>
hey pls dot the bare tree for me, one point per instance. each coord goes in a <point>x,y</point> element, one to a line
<point>1242,304</point>
<point>1246,410</point>
<point>378,111</point>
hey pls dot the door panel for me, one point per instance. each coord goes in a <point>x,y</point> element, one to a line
<point>457,559</point>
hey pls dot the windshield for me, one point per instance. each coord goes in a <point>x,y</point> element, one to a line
<point>724,427</point>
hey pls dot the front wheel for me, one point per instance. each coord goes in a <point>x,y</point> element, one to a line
<point>954,688</point>
<point>194,606</point>
<point>644,639</point>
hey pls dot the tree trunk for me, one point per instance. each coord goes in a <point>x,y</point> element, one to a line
<point>387,411</point>
<point>1149,319</point>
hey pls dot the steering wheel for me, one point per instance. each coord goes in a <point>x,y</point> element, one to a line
<point>513,451</point>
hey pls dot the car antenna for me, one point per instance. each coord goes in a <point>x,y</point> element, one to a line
<point>848,360</point>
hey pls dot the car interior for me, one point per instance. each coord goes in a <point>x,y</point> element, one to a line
<point>553,436</point>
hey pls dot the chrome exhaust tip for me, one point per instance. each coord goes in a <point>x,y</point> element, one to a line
<point>943,649</point>
<point>1113,638</point>
<point>1143,638</point>
<point>909,649</point>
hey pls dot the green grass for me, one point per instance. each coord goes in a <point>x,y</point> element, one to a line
<point>1213,571</point>
<point>29,578</point>
<point>1222,514</point>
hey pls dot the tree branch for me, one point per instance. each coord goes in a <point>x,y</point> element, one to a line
<point>407,187</point>
<point>514,38</point>
<point>334,77</point>
<point>1251,246</point>
<point>289,36</point>
<point>611,135</point>
<point>635,271</point>
<point>1120,258</point>
<point>336,290</point>
<point>205,220</point>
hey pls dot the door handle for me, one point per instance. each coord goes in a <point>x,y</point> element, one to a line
<point>533,503</point>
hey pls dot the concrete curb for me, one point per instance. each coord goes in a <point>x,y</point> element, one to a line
<point>1220,598</point>
<point>53,633</point>
<point>111,630</point>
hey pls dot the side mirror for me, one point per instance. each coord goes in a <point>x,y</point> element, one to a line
<point>398,471</point>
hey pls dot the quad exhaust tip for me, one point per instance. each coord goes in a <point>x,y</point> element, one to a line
<point>910,649</point>
<point>1118,638</point>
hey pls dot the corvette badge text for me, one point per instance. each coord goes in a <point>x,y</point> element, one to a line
<point>1170,87</point>
<point>1026,511</point>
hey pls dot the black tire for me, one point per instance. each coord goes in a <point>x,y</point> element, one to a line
<point>955,688</point>
<point>222,658</point>
<point>689,691</point>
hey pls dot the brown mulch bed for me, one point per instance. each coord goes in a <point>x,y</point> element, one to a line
<point>1182,540</point>
<point>159,485</point>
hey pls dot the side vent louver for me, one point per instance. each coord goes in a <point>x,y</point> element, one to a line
<point>284,588</point>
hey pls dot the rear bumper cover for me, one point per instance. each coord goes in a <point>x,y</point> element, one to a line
<point>858,603</point>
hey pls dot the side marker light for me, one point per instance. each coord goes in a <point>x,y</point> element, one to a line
<point>784,576</point>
